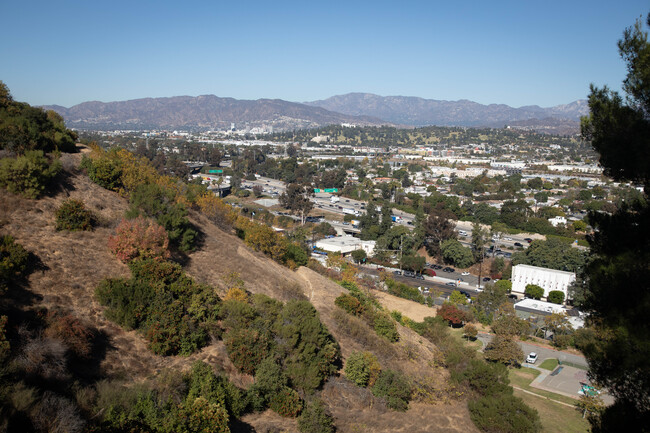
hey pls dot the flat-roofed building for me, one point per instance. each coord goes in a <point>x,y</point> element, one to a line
<point>548,279</point>
<point>527,308</point>
<point>345,245</point>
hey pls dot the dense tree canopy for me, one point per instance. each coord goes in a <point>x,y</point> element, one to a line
<point>551,253</point>
<point>618,293</point>
<point>23,127</point>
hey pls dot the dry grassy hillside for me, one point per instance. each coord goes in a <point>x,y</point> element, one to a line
<point>72,264</point>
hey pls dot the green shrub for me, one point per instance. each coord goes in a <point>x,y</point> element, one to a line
<point>202,416</point>
<point>104,171</point>
<point>286,402</point>
<point>72,215</point>
<point>23,127</point>
<point>404,291</point>
<point>385,327</point>
<point>28,174</point>
<point>487,378</point>
<point>561,341</point>
<point>311,351</point>
<point>126,302</point>
<point>395,388</point>
<point>362,368</point>
<point>505,350</point>
<point>174,312</point>
<point>170,331</point>
<point>297,254</point>
<point>584,337</point>
<point>269,377</point>
<point>203,382</point>
<point>236,314</point>
<point>350,304</point>
<point>246,348</point>
<point>13,261</point>
<point>157,202</point>
<point>534,291</point>
<point>503,413</point>
<point>315,419</point>
<point>470,331</point>
<point>556,296</point>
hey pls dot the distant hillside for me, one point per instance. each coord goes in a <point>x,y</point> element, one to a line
<point>213,112</point>
<point>201,112</point>
<point>407,110</point>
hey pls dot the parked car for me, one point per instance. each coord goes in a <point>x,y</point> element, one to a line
<point>448,269</point>
<point>467,295</point>
<point>529,240</point>
<point>486,278</point>
<point>397,273</point>
<point>419,276</point>
<point>465,273</point>
<point>450,284</point>
<point>518,244</point>
<point>429,272</point>
<point>532,358</point>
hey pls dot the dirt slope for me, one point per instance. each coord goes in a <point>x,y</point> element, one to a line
<point>72,265</point>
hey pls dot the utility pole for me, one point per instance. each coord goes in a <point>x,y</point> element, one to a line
<point>400,252</point>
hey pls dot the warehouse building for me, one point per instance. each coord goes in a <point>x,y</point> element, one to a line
<point>548,279</point>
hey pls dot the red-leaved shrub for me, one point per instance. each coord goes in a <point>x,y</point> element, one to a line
<point>69,330</point>
<point>452,314</point>
<point>139,238</point>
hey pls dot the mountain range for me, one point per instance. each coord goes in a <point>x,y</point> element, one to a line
<point>414,111</point>
<point>212,112</point>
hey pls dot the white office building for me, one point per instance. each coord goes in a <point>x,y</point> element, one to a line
<point>345,245</point>
<point>548,279</point>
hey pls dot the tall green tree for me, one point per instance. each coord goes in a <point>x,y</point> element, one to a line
<point>618,295</point>
<point>296,199</point>
<point>437,228</point>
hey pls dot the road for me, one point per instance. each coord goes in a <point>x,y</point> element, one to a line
<point>542,352</point>
<point>438,283</point>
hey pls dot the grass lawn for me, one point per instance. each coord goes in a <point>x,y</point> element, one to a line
<point>524,376</point>
<point>549,364</point>
<point>555,417</point>
<point>458,334</point>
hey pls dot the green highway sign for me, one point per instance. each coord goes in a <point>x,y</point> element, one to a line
<point>215,171</point>
<point>326,190</point>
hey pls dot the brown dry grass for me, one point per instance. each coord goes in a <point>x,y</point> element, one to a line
<point>74,263</point>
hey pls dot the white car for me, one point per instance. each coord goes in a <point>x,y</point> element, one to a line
<point>532,358</point>
<point>465,273</point>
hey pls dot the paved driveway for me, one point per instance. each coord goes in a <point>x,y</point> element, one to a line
<point>565,379</point>
<point>542,352</point>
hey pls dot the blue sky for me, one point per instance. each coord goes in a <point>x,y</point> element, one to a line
<point>506,52</point>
